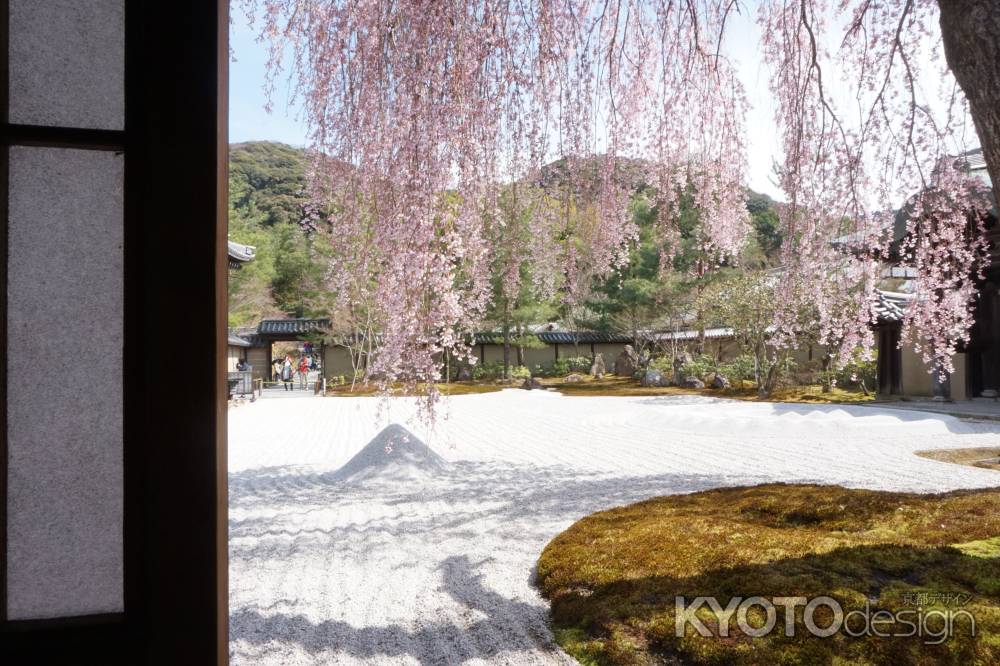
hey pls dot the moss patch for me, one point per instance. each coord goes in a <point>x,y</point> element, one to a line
<point>453,388</point>
<point>612,578</point>
<point>988,548</point>
<point>986,457</point>
<point>618,386</point>
<point>625,386</point>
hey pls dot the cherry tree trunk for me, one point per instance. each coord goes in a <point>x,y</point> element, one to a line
<point>506,342</point>
<point>520,346</point>
<point>971,32</point>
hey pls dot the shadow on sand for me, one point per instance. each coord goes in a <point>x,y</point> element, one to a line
<point>520,505</point>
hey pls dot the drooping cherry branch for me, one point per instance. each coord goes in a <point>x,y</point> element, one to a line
<point>422,112</point>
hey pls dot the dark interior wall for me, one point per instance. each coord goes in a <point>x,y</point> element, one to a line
<point>182,55</point>
<point>983,350</point>
<point>889,359</point>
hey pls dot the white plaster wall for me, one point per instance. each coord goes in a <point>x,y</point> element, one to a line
<point>494,354</point>
<point>64,391</point>
<point>532,357</point>
<point>233,356</point>
<point>959,377</point>
<point>569,350</point>
<point>67,63</point>
<point>257,358</point>
<point>610,352</point>
<point>915,378</point>
<point>337,361</point>
<point>918,382</point>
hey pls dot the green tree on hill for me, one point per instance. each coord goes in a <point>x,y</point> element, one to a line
<point>270,178</point>
<point>651,295</point>
<point>266,209</point>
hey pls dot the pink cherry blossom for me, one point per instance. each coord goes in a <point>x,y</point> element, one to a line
<point>424,114</point>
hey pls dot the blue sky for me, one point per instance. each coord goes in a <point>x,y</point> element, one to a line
<point>249,121</point>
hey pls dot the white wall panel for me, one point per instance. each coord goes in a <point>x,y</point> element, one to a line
<point>67,63</point>
<point>64,382</point>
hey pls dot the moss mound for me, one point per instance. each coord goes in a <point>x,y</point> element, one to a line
<point>362,389</point>
<point>612,578</point>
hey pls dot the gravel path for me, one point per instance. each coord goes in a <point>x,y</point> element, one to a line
<point>414,555</point>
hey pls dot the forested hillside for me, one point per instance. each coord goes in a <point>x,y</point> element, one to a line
<point>267,205</point>
<point>266,183</point>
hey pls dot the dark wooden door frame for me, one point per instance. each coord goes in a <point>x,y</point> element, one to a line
<point>889,370</point>
<point>175,143</point>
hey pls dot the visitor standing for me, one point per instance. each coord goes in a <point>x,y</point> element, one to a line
<point>303,371</point>
<point>286,373</point>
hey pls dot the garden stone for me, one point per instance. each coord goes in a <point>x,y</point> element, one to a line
<point>719,381</point>
<point>941,388</point>
<point>693,382</point>
<point>598,369</point>
<point>531,383</point>
<point>654,377</point>
<point>625,364</point>
<point>679,362</point>
<point>464,374</point>
<point>574,378</point>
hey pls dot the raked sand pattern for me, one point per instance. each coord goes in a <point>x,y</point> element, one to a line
<point>354,545</point>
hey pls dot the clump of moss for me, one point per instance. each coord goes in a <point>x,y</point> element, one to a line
<point>612,578</point>
<point>362,389</point>
<point>986,457</point>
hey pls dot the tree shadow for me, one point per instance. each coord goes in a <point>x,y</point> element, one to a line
<point>499,628</point>
<point>886,577</point>
<point>285,519</point>
<point>511,498</point>
<point>953,424</point>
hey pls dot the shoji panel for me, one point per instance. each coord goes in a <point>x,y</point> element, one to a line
<point>67,63</point>
<point>64,382</point>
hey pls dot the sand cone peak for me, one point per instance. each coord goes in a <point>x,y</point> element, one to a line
<point>394,454</point>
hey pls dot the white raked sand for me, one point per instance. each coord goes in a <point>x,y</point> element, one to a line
<point>424,555</point>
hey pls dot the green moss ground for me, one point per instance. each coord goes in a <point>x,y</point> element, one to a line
<point>453,388</point>
<point>612,578</point>
<point>622,386</point>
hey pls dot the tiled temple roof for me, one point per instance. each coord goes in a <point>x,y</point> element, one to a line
<point>297,326</point>
<point>560,338</point>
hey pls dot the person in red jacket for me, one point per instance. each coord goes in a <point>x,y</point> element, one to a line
<point>303,371</point>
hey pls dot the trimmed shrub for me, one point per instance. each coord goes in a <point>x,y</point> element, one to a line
<point>567,366</point>
<point>518,372</point>
<point>663,364</point>
<point>491,370</point>
<point>858,373</point>
<point>738,369</point>
<point>699,366</point>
